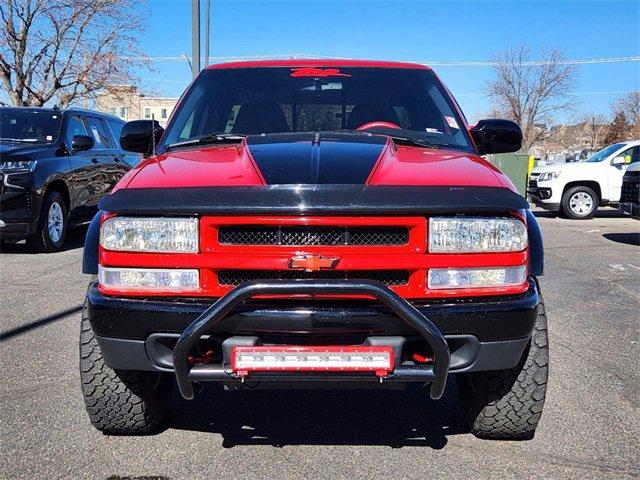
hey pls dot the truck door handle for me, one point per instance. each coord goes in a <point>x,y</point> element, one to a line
<point>94,160</point>
<point>116,159</point>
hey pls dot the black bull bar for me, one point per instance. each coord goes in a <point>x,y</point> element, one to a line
<point>435,373</point>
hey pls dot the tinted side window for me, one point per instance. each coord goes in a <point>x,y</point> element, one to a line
<point>116,129</point>
<point>631,155</point>
<point>96,130</point>
<point>75,126</point>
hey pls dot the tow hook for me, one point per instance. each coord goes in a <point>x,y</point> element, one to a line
<point>206,358</point>
<point>422,358</point>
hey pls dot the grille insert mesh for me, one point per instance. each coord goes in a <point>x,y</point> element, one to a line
<point>295,235</point>
<point>630,187</point>
<point>386,277</point>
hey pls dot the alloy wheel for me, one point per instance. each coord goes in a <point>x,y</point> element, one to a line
<point>581,203</point>
<point>55,222</point>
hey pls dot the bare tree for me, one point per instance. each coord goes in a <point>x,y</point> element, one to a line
<point>630,106</point>
<point>64,50</point>
<point>532,92</point>
<point>595,128</point>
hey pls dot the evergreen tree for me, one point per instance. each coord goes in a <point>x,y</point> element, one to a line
<point>618,130</point>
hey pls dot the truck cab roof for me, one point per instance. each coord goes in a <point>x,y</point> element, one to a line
<point>326,62</point>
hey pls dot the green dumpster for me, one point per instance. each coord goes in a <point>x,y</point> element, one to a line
<point>514,166</point>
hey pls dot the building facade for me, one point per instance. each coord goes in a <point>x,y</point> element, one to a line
<point>128,103</point>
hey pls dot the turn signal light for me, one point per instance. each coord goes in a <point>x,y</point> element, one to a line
<point>156,280</point>
<point>450,278</point>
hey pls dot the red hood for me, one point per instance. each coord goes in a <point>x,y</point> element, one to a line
<point>426,166</point>
<point>236,165</point>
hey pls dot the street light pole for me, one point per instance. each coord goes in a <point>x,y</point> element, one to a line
<point>195,37</point>
<point>186,57</point>
<point>207,22</point>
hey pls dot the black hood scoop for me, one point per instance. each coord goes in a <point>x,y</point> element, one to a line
<point>315,158</point>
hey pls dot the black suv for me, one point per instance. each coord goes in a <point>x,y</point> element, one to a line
<point>55,165</point>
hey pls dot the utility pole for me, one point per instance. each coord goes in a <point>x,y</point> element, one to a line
<point>207,23</point>
<point>195,37</point>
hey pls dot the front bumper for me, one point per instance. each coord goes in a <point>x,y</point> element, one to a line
<point>540,198</point>
<point>629,208</point>
<point>18,207</point>
<point>481,333</point>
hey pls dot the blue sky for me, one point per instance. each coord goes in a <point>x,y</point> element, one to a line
<point>424,31</point>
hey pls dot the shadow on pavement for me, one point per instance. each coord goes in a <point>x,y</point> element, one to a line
<point>38,323</point>
<point>544,214</point>
<point>75,239</point>
<point>601,213</point>
<point>630,238</point>
<point>392,418</point>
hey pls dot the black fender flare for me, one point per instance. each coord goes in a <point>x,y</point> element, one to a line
<point>536,249</point>
<point>91,242</point>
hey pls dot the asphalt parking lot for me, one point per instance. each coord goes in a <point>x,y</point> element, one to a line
<point>590,427</point>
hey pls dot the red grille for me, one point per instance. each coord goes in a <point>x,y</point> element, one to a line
<point>401,263</point>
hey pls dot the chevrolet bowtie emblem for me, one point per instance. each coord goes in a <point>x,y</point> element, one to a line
<point>312,263</point>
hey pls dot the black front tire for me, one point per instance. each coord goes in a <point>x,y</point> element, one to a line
<point>123,402</point>
<point>507,404</point>
<point>575,195</point>
<point>42,240</point>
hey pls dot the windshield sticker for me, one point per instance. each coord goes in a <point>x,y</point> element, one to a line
<point>49,138</point>
<point>452,122</point>
<point>317,72</point>
<point>433,130</point>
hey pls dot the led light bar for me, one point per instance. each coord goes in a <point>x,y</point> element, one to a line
<point>156,280</point>
<point>476,235</point>
<point>378,359</point>
<point>149,234</point>
<point>451,278</point>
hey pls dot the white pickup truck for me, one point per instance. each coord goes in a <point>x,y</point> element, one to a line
<point>576,190</point>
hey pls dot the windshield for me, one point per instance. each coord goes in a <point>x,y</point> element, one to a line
<point>252,101</point>
<point>29,126</point>
<point>604,153</point>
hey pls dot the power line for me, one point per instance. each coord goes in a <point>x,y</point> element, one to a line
<point>587,61</point>
<point>612,92</point>
<point>472,63</point>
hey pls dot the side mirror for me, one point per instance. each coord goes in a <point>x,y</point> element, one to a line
<point>497,136</point>
<point>81,142</point>
<point>138,136</point>
<point>619,160</point>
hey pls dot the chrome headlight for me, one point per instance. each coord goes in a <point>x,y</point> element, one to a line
<point>476,235</point>
<point>18,167</point>
<point>546,176</point>
<point>141,234</point>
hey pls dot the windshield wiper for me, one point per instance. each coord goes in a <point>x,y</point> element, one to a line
<point>210,138</point>
<point>419,143</point>
<point>397,138</point>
